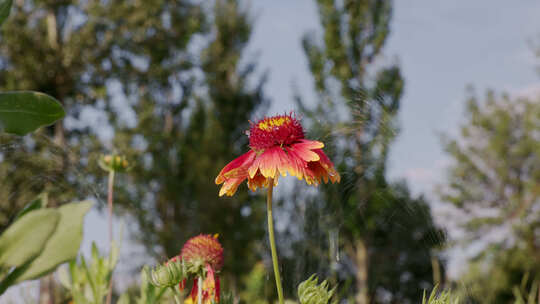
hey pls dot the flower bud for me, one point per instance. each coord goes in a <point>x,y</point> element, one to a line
<point>202,250</point>
<point>114,162</point>
<point>169,274</point>
<point>311,293</point>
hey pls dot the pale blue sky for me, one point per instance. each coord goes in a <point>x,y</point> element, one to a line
<point>442,46</point>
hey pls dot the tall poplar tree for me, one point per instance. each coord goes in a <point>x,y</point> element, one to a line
<point>356,114</point>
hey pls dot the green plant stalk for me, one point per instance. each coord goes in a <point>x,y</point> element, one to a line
<point>110,190</point>
<point>272,240</point>
<point>110,209</point>
<point>199,291</point>
<point>175,295</point>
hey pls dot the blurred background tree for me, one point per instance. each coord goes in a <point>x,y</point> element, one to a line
<point>44,49</point>
<point>494,179</point>
<point>75,51</point>
<point>356,117</point>
<point>185,133</point>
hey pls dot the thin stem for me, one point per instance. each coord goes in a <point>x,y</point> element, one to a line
<point>272,240</point>
<point>110,204</point>
<point>199,291</point>
<point>110,209</point>
<point>175,295</point>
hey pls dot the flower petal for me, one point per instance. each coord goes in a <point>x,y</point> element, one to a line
<point>297,165</point>
<point>283,159</point>
<point>328,166</point>
<point>270,162</point>
<point>267,163</point>
<point>304,151</point>
<point>318,171</point>
<point>236,168</point>
<point>258,181</point>
<point>310,144</point>
<point>230,186</point>
<point>194,290</point>
<point>182,285</point>
<point>211,286</point>
<point>254,168</point>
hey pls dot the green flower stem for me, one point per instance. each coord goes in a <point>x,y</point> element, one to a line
<point>110,205</point>
<point>272,240</point>
<point>175,295</point>
<point>199,291</point>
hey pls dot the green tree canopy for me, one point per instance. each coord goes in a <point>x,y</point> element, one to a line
<point>72,50</point>
<point>496,164</point>
<point>494,180</point>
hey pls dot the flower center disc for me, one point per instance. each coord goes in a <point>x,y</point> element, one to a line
<point>275,131</point>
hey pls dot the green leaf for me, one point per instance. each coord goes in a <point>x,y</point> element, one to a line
<point>10,279</point>
<point>27,237</point>
<point>5,8</point>
<point>63,245</point>
<point>38,203</point>
<point>25,111</point>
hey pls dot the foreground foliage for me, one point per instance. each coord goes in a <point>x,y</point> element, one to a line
<point>443,297</point>
<point>39,240</point>
<point>88,282</point>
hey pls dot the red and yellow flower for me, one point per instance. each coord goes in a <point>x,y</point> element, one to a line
<point>277,147</point>
<point>205,253</point>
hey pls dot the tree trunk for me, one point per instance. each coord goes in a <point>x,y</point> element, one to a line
<point>52,35</point>
<point>361,272</point>
<point>436,266</point>
<point>59,134</point>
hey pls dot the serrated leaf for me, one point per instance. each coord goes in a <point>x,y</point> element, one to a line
<point>25,111</point>
<point>27,237</point>
<point>63,245</point>
<point>5,8</point>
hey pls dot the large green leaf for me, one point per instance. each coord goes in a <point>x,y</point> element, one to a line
<point>5,7</point>
<point>27,237</point>
<point>64,244</point>
<point>25,111</point>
